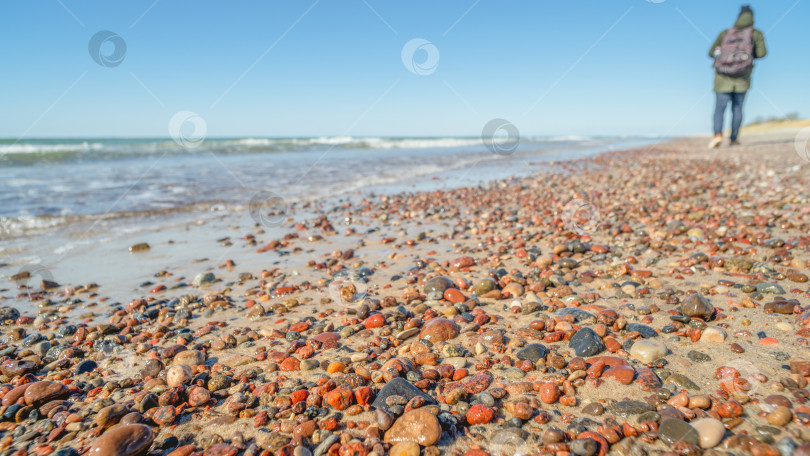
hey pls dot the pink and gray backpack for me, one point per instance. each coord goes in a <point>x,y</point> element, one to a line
<point>736,52</point>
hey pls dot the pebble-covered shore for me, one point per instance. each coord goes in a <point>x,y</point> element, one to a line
<point>636,303</point>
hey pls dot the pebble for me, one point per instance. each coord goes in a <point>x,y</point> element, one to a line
<point>532,352</point>
<point>671,430</point>
<point>698,357</point>
<point>203,278</point>
<point>648,351</point>
<point>480,414</point>
<point>438,330</point>
<point>189,358</point>
<point>781,306</point>
<point>419,426</point>
<point>110,415</point>
<point>710,431</point>
<point>407,334</point>
<point>438,285</point>
<point>85,366</point>
<point>714,335</point>
<point>583,447</point>
<point>128,440</point>
<point>626,409</point>
<point>139,247</point>
<point>645,331</point>
<point>697,306</point>
<point>579,315</point>
<point>549,392</point>
<point>594,408</point>
<point>399,387</point>
<point>40,392</point>
<point>19,368</point>
<point>151,368</point>
<point>8,313</point>
<point>485,286</point>
<point>586,342</point>
<point>178,375</point>
<point>682,382</point>
<point>404,449</point>
<point>780,416</point>
<point>324,446</point>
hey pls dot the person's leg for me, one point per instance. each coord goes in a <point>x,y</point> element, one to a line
<point>736,114</point>
<point>719,113</point>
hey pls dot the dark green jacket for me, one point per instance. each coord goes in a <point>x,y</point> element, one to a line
<point>727,84</point>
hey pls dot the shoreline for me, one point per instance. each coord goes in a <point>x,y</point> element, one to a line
<point>620,238</point>
<point>420,171</point>
<point>109,236</point>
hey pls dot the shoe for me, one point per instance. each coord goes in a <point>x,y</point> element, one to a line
<point>715,142</point>
<point>733,143</point>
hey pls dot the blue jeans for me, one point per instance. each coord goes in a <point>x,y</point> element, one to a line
<point>736,100</point>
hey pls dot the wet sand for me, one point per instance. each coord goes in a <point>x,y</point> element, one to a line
<point>600,305</point>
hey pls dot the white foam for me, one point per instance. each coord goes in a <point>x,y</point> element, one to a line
<point>29,148</point>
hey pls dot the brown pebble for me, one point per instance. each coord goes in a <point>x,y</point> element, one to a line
<point>40,392</point>
<point>128,440</point>
<point>780,416</point>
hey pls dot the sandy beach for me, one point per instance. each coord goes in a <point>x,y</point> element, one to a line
<point>649,301</point>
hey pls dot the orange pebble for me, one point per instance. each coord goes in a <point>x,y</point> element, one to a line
<point>459,374</point>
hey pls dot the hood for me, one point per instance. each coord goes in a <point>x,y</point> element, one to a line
<point>745,20</point>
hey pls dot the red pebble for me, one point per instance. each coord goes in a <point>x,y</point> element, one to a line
<point>329,424</point>
<point>340,398</point>
<point>301,326</point>
<point>364,395</point>
<point>454,296</point>
<point>549,392</point>
<point>374,321</point>
<point>459,374</point>
<point>480,414</point>
<point>300,395</point>
<point>730,409</point>
<point>289,364</point>
<point>725,372</point>
<point>353,449</point>
<point>612,345</point>
<point>476,452</point>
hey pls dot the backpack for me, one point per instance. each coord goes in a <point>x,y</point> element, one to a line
<point>736,52</point>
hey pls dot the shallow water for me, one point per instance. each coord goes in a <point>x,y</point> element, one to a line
<point>50,183</point>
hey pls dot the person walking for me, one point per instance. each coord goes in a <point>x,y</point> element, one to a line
<point>734,52</point>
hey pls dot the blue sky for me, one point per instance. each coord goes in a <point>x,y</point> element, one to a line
<point>334,67</point>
